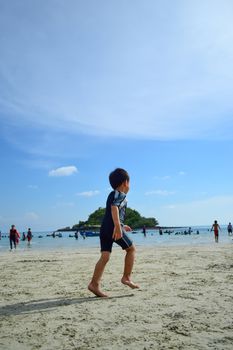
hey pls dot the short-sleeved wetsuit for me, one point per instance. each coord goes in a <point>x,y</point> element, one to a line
<point>118,199</point>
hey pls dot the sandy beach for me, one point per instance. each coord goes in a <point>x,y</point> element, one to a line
<point>185,300</point>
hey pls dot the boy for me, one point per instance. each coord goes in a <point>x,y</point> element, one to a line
<point>113,230</point>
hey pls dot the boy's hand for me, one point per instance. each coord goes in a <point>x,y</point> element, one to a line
<point>117,234</point>
<point>127,228</point>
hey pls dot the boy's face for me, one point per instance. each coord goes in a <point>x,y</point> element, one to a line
<point>126,186</point>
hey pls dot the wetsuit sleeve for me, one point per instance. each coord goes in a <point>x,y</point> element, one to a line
<point>118,198</point>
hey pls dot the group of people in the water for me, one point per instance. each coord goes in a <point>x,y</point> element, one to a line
<point>215,227</point>
<point>161,232</point>
<point>76,235</point>
<point>14,237</point>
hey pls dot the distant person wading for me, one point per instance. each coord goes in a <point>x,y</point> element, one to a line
<point>216,228</point>
<point>229,229</point>
<point>13,236</point>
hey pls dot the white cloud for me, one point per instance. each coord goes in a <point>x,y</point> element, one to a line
<point>88,193</point>
<point>182,92</point>
<point>159,192</point>
<point>63,171</point>
<point>182,173</point>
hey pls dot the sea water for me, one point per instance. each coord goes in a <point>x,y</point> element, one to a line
<point>41,241</point>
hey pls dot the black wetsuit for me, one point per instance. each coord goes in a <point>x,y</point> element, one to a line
<point>118,199</point>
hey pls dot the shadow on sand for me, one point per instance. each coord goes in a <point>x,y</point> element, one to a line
<point>45,305</point>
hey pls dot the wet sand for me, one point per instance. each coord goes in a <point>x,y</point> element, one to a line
<point>185,300</point>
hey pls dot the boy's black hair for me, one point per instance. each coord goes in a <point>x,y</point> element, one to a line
<point>117,177</point>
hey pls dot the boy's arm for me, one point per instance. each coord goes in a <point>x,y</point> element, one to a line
<point>117,233</point>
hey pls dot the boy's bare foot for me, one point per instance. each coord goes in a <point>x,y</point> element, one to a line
<point>96,291</point>
<point>129,283</point>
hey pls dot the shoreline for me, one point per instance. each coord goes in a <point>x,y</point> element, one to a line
<point>86,249</point>
<point>152,239</point>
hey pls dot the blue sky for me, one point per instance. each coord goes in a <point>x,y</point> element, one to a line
<point>88,86</point>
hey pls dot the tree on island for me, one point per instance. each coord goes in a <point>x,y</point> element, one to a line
<point>133,219</point>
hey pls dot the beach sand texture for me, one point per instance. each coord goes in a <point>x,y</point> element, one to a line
<point>185,300</point>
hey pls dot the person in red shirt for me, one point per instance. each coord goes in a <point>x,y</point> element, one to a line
<point>13,236</point>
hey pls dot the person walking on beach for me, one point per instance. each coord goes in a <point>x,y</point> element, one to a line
<point>216,229</point>
<point>114,230</point>
<point>229,229</point>
<point>13,236</point>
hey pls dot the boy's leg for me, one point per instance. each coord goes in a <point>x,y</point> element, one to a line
<point>98,272</point>
<point>129,261</point>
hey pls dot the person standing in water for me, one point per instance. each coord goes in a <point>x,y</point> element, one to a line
<point>144,230</point>
<point>229,229</point>
<point>29,236</point>
<point>215,227</point>
<point>13,237</point>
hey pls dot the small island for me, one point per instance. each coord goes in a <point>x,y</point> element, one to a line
<point>133,219</point>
